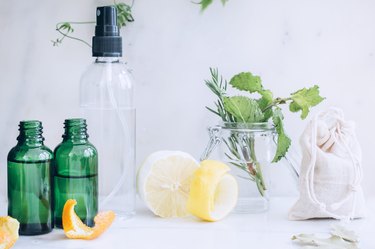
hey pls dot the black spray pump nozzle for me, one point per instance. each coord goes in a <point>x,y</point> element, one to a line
<point>106,22</point>
<point>107,41</point>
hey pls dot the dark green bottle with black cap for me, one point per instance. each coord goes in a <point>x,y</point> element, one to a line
<point>76,173</point>
<point>29,181</point>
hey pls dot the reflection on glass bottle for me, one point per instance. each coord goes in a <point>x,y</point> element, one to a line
<point>29,180</point>
<point>76,173</point>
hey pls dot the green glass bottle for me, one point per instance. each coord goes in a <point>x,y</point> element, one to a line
<point>76,173</point>
<point>29,180</point>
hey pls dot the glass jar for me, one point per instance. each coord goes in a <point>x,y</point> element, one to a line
<point>249,150</point>
<point>29,180</point>
<point>76,173</point>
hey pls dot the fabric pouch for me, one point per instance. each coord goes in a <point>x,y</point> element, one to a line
<point>331,170</point>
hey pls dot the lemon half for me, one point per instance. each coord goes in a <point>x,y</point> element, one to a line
<point>213,192</point>
<point>163,182</point>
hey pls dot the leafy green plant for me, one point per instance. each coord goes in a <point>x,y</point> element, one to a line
<point>247,109</point>
<point>65,29</point>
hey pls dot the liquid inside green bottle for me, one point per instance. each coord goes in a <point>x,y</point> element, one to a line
<point>76,173</point>
<point>29,181</point>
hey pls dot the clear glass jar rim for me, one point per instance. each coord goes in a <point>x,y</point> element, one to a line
<point>262,126</point>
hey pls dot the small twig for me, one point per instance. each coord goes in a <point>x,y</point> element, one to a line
<point>72,37</point>
<point>67,26</point>
<point>277,101</point>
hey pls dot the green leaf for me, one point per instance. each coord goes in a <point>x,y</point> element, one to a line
<point>205,3</point>
<point>246,81</point>
<point>304,99</point>
<point>283,141</point>
<point>124,14</point>
<point>265,101</point>
<point>66,26</point>
<point>243,109</point>
<point>267,96</point>
<point>294,107</point>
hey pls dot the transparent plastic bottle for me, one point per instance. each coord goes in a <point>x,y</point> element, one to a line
<point>106,100</point>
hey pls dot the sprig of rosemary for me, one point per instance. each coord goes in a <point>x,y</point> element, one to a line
<point>219,86</point>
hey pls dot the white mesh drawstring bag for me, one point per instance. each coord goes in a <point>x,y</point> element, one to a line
<point>331,170</point>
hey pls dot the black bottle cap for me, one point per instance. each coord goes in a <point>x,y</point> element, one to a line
<point>107,41</point>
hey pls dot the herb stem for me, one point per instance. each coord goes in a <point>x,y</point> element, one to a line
<point>277,101</point>
<point>258,168</point>
<point>88,22</point>
<point>72,37</point>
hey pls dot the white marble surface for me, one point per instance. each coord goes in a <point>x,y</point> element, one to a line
<point>171,45</point>
<point>261,231</point>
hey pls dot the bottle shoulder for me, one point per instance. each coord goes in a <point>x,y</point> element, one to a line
<point>27,153</point>
<point>107,86</point>
<point>72,159</point>
<point>70,149</point>
<point>116,72</point>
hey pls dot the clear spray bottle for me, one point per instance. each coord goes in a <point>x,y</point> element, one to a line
<point>106,99</point>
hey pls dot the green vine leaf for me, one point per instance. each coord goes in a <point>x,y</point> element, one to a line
<point>304,99</point>
<point>66,26</point>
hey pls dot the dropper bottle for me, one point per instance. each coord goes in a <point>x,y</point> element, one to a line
<point>106,100</point>
<point>76,173</point>
<point>29,180</point>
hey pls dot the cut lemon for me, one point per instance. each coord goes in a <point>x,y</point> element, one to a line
<point>213,192</point>
<point>8,232</point>
<point>74,227</point>
<point>164,182</point>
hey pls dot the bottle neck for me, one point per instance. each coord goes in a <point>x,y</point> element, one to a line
<point>107,59</point>
<point>30,133</point>
<point>75,130</point>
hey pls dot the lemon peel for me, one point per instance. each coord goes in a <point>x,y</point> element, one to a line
<point>213,192</point>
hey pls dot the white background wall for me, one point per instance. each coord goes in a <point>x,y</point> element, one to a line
<point>171,45</point>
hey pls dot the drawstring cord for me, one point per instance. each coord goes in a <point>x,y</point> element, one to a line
<point>358,174</point>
